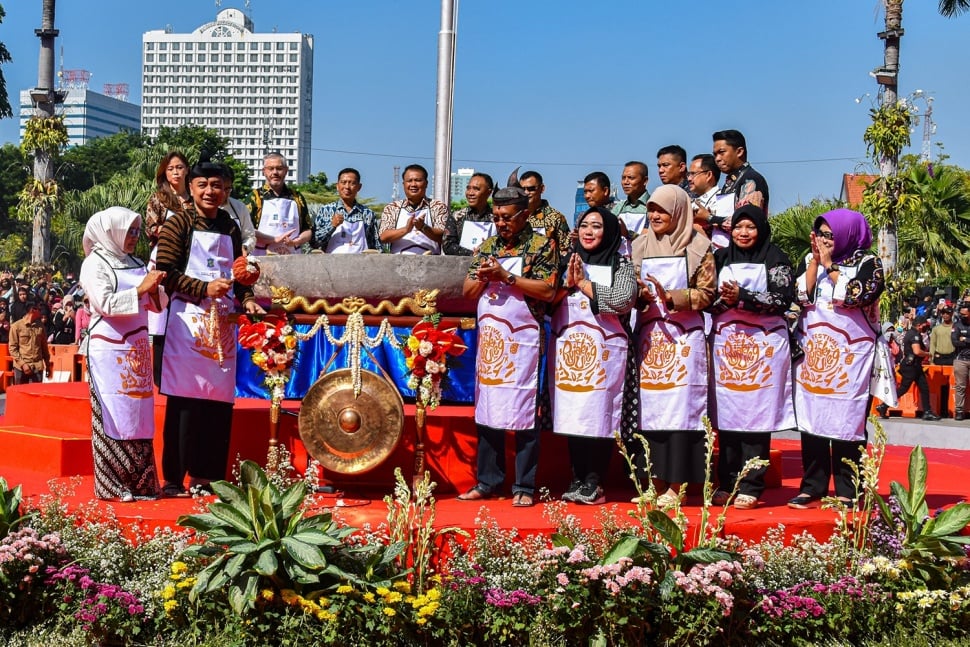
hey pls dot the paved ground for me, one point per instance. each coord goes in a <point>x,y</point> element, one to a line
<point>909,432</point>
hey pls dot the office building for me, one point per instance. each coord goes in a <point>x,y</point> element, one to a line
<point>87,114</point>
<point>459,182</point>
<point>254,89</point>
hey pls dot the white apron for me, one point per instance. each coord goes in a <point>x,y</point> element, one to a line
<point>673,357</point>
<point>751,363</point>
<point>120,365</point>
<point>347,238</point>
<point>278,216</point>
<point>190,363</point>
<point>587,369</point>
<point>635,223</point>
<point>156,320</point>
<point>414,242</point>
<point>507,366</point>
<point>832,380</point>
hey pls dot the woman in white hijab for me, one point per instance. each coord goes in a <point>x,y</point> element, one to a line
<point>121,292</point>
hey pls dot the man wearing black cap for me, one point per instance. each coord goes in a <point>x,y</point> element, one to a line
<point>911,366</point>
<point>513,277</point>
<point>196,249</point>
<point>28,347</point>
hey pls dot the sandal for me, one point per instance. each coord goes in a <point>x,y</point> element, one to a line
<point>720,497</point>
<point>802,502</point>
<point>745,502</point>
<point>477,493</point>
<point>522,500</point>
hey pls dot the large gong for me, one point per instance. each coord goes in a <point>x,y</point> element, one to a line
<point>349,434</point>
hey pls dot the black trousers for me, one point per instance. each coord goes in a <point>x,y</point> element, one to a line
<point>196,439</point>
<point>590,458</point>
<point>915,375</point>
<point>734,450</point>
<point>822,460</point>
<point>158,346</point>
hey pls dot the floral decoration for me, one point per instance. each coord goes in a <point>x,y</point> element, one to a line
<point>272,341</point>
<point>426,353</point>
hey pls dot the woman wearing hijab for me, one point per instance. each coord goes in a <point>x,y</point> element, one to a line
<point>751,373</point>
<point>587,368</point>
<point>676,278</point>
<point>838,288</point>
<point>171,196</point>
<point>121,292</point>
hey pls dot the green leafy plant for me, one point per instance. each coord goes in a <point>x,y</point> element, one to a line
<point>10,499</point>
<point>929,541</point>
<point>258,536</point>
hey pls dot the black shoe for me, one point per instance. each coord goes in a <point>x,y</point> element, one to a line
<point>929,415</point>
<point>959,415</point>
<point>572,490</point>
<point>883,411</point>
<point>590,494</point>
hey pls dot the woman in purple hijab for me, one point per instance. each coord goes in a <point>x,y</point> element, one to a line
<point>838,289</point>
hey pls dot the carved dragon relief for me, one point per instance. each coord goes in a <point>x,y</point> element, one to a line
<point>422,303</point>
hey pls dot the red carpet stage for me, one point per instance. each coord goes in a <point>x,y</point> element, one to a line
<point>45,434</point>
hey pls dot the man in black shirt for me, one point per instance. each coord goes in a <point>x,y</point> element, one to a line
<point>960,336</point>
<point>911,366</point>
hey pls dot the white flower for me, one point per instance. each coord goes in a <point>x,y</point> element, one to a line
<point>432,367</point>
<point>425,348</point>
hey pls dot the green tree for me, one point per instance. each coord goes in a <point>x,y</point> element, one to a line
<point>196,141</point>
<point>98,160</point>
<point>790,229</point>
<point>5,110</point>
<point>953,8</point>
<point>14,171</point>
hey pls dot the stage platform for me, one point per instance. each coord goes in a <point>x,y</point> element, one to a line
<point>45,439</point>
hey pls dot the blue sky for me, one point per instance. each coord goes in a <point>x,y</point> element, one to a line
<point>562,86</point>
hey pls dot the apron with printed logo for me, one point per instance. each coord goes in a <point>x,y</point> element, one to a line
<point>347,238</point>
<point>190,363</point>
<point>278,216</point>
<point>751,372</point>
<point>832,379</point>
<point>507,365</point>
<point>587,368</point>
<point>673,357</point>
<point>120,365</point>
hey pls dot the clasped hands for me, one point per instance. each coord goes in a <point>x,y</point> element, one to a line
<point>651,290</point>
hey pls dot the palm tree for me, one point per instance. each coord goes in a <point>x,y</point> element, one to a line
<point>5,110</point>
<point>790,229</point>
<point>953,8</point>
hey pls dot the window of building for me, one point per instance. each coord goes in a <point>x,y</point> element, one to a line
<point>188,58</point>
<point>202,58</point>
<point>293,46</point>
<point>176,58</point>
<point>267,45</point>
<point>149,47</point>
<point>293,58</point>
<point>163,46</point>
<point>279,58</point>
<point>189,47</point>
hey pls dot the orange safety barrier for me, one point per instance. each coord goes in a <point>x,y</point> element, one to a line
<point>939,379</point>
<point>6,367</point>
<point>62,359</point>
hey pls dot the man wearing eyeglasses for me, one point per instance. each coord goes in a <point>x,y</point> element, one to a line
<point>512,277</point>
<point>703,177</point>
<point>543,218</point>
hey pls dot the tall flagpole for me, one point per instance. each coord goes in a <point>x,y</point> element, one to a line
<point>444,100</point>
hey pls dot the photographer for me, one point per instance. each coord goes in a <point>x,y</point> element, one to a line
<point>911,366</point>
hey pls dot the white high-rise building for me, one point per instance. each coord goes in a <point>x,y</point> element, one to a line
<point>254,89</point>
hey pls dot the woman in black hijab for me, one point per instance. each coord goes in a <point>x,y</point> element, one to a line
<point>750,353</point>
<point>591,348</point>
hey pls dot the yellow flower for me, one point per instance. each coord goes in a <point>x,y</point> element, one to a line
<point>436,578</point>
<point>179,568</point>
<point>325,616</point>
<point>289,596</point>
<point>369,598</point>
<point>344,589</point>
<point>389,612</point>
<point>170,606</point>
<point>267,594</point>
<point>402,586</point>
<point>428,609</point>
<point>422,621</point>
<point>289,342</point>
<point>187,583</point>
<point>433,594</point>
<point>904,564</point>
<point>393,597</point>
<point>413,342</point>
<point>168,593</point>
<point>383,591</point>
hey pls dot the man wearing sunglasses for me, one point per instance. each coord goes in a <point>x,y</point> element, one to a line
<point>543,218</point>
